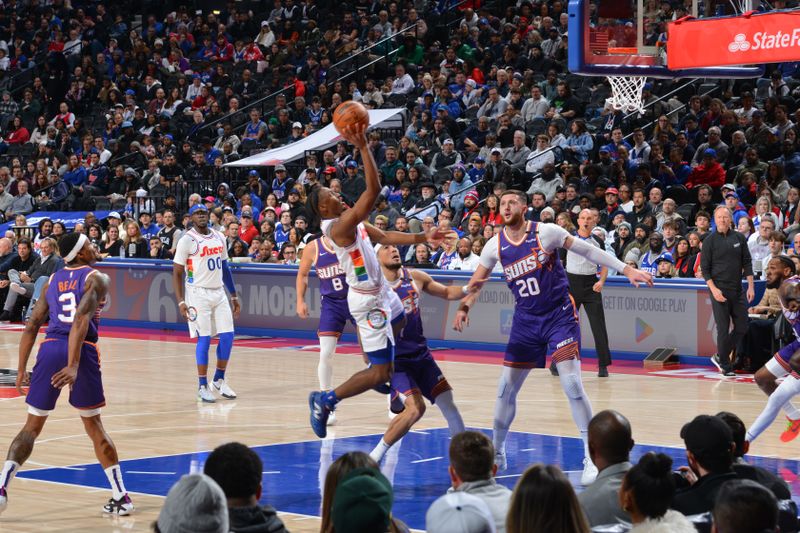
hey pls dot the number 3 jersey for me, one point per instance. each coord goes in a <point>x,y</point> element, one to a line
<point>531,266</point>
<point>63,296</point>
<point>201,257</point>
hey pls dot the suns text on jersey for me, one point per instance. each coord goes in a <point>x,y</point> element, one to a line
<point>523,266</point>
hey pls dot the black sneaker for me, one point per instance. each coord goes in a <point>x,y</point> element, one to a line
<point>121,507</point>
<point>5,316</point>
<point>602,372</point>
<point>729,373</point>
<point>715,361</point>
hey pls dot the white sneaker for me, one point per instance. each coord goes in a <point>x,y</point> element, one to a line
<point>222,388</point>
<point>3,499</point>
<point>332,419</point>
<point>500,461</point>
<point>589,472</point>
<point>16,287</point>
<point>204,395</point>
<point>121,507</point>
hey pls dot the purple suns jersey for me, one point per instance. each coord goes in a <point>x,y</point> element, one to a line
<point>533,273</point>
<point>332,279</point>
<point>63,296</point>
<point>412,341</point>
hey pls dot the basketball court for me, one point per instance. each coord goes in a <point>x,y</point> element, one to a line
<point>161,431</point>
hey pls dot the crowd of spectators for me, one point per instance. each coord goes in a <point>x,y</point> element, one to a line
<point>716,487</point>
<point>140,121</point>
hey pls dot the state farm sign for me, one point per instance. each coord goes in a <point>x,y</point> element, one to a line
<point>743,40</point>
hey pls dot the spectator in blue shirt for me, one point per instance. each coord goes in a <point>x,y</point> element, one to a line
<point>791,163</point>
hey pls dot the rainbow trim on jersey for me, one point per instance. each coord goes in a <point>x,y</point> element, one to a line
<point>189,271</point>
<point>358,265</point>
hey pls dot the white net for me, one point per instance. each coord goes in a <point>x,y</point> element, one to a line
<point>627,92</point>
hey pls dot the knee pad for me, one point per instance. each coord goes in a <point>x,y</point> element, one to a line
<point>573,387</point>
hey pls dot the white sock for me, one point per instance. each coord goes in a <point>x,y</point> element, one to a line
<point>390,461</point>
<point>114,475</point>
<point>10,469</point>
<point>505,407</point>
<point>327,347</point>
<point>379,451</point>
<point>569,373</point>
<point>780,396</point>
<point>450,412</point>
<point>791,411</point>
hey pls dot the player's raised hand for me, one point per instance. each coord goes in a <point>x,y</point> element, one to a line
<point>462,320</point>
<point>302,309</point>
<point>356,134</point>
<point>637,277</point>
<point>23,380</point>
<point>237,308</point>
<point>65,376</point>
<point>436,235</point>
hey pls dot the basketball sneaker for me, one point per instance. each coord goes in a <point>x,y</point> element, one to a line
<point>791,431</point>
<point>204,395</point>
<point>3,499</point>
<point>500,461</point>
<point>319,414</point>
<point>221,387</point>
<point>121,507</point>
<point>589,472</point>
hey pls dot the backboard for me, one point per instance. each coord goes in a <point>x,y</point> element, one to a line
<point>628,38</point>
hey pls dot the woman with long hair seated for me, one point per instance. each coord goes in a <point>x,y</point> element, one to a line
<point>545,502</point>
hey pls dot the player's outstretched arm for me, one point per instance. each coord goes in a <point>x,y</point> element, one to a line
<point>342,231</point>
<point>37,319</point>
<point>477,280</point>
<point>434,236</point>
<point>94,292</point>
<point>447,292</point>
<point>600,257</point>
<point>301,282</point>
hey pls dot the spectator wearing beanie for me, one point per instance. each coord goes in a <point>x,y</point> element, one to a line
<point>708,172</point>
<point>195,503</point>
<point>459,512</point>
<point>363,503</point>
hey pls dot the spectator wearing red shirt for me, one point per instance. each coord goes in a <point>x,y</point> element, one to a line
<point>247,231</point>
<point>709,172</point>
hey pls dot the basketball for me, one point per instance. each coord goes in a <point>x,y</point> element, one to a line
<point>350,112</point>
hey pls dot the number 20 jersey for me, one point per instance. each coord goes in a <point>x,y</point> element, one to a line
<point>63,297</point>
<point>535,275</point>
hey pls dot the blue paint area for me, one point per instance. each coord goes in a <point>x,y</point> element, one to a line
<point>292,472</point>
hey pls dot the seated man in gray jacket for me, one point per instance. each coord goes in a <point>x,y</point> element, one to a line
<point>23,283</point>
<point>610,444</point>
<point>472,470</point>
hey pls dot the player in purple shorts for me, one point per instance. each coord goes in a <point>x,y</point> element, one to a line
<point>545,320</point>
<point>416,374</point>
<point>334,313</point>
<point>780,273</point>
<point>67,357</point>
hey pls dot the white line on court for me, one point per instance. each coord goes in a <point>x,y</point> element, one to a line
<point>271,472</point>
<point>426,460</point>
<point>150,473</point>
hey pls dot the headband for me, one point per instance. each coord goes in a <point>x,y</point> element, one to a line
<point>82,240</point>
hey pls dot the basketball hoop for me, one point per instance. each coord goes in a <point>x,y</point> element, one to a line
<point>627,93</point>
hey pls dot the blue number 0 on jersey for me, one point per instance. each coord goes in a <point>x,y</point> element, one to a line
<point>214,263</point>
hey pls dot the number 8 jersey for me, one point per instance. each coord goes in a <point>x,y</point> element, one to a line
<point>202,257</point>
<point>63,296</point>
<point>531,266</point>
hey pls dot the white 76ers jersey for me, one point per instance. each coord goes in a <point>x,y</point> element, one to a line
<point>202,257</point>
<point>358,260</point>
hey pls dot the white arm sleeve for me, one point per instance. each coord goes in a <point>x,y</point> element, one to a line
<point>596,255</point>
<point>489,255</point>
